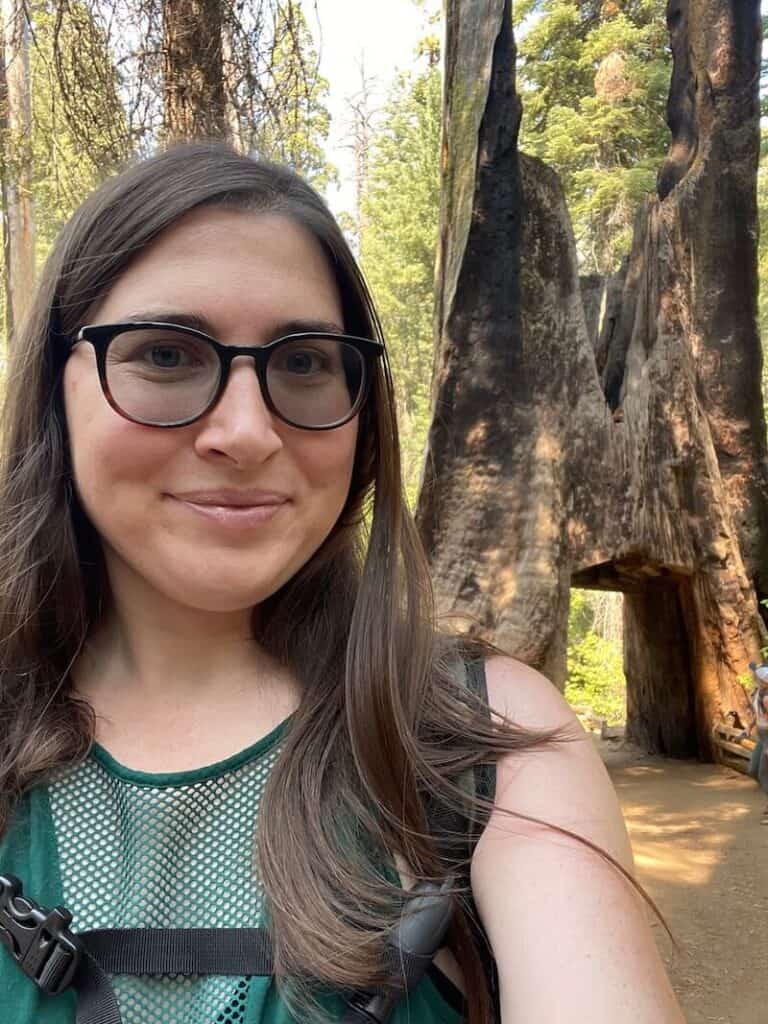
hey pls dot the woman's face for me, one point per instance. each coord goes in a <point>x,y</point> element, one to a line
<point>158,497</point>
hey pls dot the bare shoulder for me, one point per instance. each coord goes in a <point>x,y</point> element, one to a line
<point>525,696</point>
<point>562,782</point>
<point>553,907</point>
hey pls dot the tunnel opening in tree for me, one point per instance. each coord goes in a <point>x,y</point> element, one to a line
<point>662,716</point>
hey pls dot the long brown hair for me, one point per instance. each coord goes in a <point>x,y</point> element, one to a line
<point>385,717</point>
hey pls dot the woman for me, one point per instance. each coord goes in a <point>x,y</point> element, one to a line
<point>224,703</point>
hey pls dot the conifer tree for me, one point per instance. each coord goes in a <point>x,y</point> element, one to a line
<point>594,77</point>
<point>295,121</point>
<point>399,241</point>
<point>18,203</point>
<point>80,132</point>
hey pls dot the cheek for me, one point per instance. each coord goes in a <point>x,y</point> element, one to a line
<point>106,451</point>
<point>326,460</point>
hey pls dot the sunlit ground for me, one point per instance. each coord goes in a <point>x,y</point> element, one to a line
<point>702,855</point>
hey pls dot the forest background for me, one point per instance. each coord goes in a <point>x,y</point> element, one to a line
<point>87,85</point>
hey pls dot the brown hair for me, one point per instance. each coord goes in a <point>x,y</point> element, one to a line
<point>385,717</point>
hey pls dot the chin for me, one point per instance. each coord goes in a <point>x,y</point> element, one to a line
<point>204,581</point>
<point>221,600</point>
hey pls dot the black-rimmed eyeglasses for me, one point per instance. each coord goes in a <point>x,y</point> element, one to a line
<point>165,375</point>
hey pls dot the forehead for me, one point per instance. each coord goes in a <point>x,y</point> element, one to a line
<point>235,268</point>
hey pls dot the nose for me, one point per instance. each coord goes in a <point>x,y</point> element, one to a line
<point>240,427</point>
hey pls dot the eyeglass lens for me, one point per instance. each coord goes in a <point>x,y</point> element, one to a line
<point>164,376</point>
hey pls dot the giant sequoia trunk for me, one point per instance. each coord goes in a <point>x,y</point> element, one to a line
<point>195,103</point>
<point>491,508</point>
<point>18,208</point>
<point>647,474</point>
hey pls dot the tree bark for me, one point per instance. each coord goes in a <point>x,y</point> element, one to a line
<point>195,103</point>
<point>645,473</point>
<point>4,192</point>
<point>661,703</point>
<point>502,555</point>
<point>359,138</point>
<point>714,109</point>
<point>229,80</point>
<point>19,217</point>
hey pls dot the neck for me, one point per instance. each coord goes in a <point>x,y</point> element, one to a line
<point>172,657</point>
<point>175,687</point>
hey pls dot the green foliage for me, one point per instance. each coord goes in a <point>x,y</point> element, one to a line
<point>595,664</point>
<point>594,80</point>
<point>596,678</point>
<point>79,128</point>
<point>398,244</point>
<point>581,616</point>
<point>297,124</point>
<point>80,131</point>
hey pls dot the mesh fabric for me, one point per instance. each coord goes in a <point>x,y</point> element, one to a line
<point>140,850</point>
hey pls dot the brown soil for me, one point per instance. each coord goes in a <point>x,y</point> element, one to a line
<point>702,855</point>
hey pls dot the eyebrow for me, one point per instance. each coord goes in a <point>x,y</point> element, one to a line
<point>201,323</point>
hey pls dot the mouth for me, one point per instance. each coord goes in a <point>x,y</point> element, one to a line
<point>232,498</point>
<point>233,510</point>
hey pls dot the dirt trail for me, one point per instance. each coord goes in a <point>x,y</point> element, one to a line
<point>702,855</point>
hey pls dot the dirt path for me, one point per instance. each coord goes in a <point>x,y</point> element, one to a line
<point>702,855</point>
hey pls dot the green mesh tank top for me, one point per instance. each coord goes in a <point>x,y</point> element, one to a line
<point>127,849</point>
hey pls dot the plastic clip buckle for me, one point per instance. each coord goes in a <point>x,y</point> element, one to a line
<point>39,940</point>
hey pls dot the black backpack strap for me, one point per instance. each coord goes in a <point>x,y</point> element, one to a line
<point>455,831</point>
<point>161,951</point>
<point>446,821</point>
<point>55,958</point>
<point>485,786</point>
<point>485,774</point>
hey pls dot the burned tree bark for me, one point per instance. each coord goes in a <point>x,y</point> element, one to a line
<point>647,474</point>
<point>717,209</point>
<point>195,102</point>
<point>491,509</point>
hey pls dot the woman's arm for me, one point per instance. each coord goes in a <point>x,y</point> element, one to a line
<point>570,935</point>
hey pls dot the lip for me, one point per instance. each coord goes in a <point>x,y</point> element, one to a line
<point>232,498</point>
<point>236,510</point>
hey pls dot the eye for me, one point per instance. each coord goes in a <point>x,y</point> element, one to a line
<point>172,355</point>
<point>168,357</point>
<point>149,352</point>
<point>303,361</point>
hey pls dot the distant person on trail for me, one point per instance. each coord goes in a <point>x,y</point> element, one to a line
<point>760,704</point>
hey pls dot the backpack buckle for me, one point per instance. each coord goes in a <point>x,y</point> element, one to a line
<point>39,940</point>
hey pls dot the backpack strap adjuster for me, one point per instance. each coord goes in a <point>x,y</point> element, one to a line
<point>39,940</point>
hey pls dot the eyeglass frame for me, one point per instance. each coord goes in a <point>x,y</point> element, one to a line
<point>100,337</point>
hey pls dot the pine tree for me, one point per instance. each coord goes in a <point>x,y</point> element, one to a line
<point>398,245</point>
<point>195,104</point>
<point>80,129</point>
<point>594,77</point>
<point>295,122</point>
<point>18,203</point>
<point>359,126</point>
